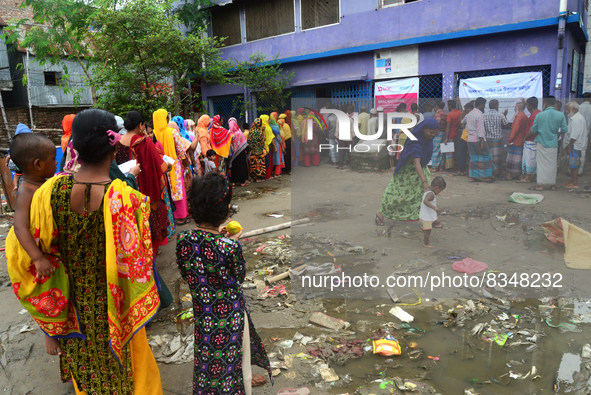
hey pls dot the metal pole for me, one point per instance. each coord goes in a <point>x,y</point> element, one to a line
<point>4,117</point>
<point>29,93</point>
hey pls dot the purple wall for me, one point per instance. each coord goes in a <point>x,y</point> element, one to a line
<point>528,48</point>
<point>362,24</point>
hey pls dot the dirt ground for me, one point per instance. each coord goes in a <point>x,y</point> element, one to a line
<point>479,223</point>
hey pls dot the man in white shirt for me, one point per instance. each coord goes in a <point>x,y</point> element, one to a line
<point>372,124</point>
<point>585,111</point>
<point>575,142</point>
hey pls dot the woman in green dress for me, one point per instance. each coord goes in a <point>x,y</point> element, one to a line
<point>402,198</point>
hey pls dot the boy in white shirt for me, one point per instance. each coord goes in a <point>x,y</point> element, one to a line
<point>429,210</point>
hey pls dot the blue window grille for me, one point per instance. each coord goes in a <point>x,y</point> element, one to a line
<point>227,107</point>
<point>356,94</point>
<point>430,90</point>
<point>303,97</point>
<point>545,69</point>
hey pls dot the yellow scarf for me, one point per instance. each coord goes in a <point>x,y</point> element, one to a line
<point>269,136</point>
<point>163,134</point>
<point>285,129</point>
<point>133,296</point>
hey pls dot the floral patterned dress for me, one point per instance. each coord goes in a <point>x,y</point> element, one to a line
<point>81,239</point>
<point>214,268</point>
<point>402,199</point>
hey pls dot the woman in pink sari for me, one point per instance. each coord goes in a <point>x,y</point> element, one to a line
<point>238,162</point>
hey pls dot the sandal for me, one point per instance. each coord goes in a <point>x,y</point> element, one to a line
<point>522,182</point>
<point>534,188</point>
<point>379,221</point>
<point>182,221</point>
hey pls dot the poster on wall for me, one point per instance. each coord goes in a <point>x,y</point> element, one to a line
<point>396,62</point>
<point>389,94</point>
<point>574,79</point>
<point>507,89</point>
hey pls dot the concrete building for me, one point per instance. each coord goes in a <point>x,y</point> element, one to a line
<point>40,103</point>
<point>333,46</point>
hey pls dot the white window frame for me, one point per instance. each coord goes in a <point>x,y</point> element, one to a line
<point>401,2</point>
<point>321,27</point>
<point>295,28</point>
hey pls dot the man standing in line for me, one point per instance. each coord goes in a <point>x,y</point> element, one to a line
<point>548,124</point>
<point>515,142</point>
<point>452,133</point>
<point>575,142</point>
<point>332,122</point>
<point>363,119</point>
<point>529,164</point>
<point>494,124</point>
<point>480,158</point>
<point>585,111</point>
<point>372,124</point>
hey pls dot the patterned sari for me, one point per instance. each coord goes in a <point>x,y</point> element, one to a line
<point>256,141</point>
<point>98,315</point>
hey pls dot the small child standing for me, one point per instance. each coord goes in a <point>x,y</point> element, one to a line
<point>210,260</point>
<point>429,210</point>
<point>35,155</point>
<point>210,161</point>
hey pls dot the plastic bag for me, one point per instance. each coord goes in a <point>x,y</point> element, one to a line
<point>386,347</point>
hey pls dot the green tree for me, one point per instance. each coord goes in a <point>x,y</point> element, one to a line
<point>194,14</point>
<point>146,60</point>
<point>59,30</point>
<point>266,80</point>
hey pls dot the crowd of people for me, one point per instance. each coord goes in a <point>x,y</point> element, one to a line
<point>82,252</point>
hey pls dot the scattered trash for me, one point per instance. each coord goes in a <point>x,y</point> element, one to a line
<point>433,358</point>
<point>386,347</point>
<point>577,242</point>
<point>23,311</point>
<point>261,248</point>
<point>286,344</point>
<point>328,375</point>
<point>326,321</point>
<point>258,380</point>
<point>525,198</point>
<point>187,298</point>
<point>393,295</point>
<point>570,327</point>
<point>275,215</point>
<point>469,266</point>
<point>185,315</point>
<point>293,391</point>
<point>173,349</point>
<point>401,314</point>
<point>586,353</point>
<point>27,328</point>
<point>233,227</point>
<point>270,292</point>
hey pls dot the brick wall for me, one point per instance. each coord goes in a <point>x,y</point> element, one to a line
<point>10,9</point>
<point>45,118</point>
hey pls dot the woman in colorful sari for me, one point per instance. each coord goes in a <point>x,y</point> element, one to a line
<point>403,196</point>
<point>297,127</point>
<point>238,162</point>
<point>67,129</point>
<point>180,121</point>
<point>256,142</point>
<point>136,145</point>
<point>278,145</point>
<point>311,147</point>
<point>269,137</point>
<point>174,147</point>
<point>221,141</point>
<point>285,125</point>
<point>102,293</point>
<point>203,134</point>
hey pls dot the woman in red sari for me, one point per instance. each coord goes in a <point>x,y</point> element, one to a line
<point>136,145</point>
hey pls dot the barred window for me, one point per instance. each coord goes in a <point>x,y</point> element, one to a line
<point>225,22</point>
<point>388,3</point>
<point>268,18</point>
<point>316,13</point>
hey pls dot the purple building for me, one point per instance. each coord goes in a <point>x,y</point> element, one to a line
<point>336,47</point>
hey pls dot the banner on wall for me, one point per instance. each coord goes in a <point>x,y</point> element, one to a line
<point>389,94</point>
<point>507,89</point>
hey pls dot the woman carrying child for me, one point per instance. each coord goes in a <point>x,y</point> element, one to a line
<point>402,198</point>
<point>211,261</point>
<point>102,291</point>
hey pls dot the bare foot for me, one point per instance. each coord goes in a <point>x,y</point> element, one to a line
<point>428,246</point>
<point>52,346</point>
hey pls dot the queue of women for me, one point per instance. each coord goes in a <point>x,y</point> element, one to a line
<point>101,230</point>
